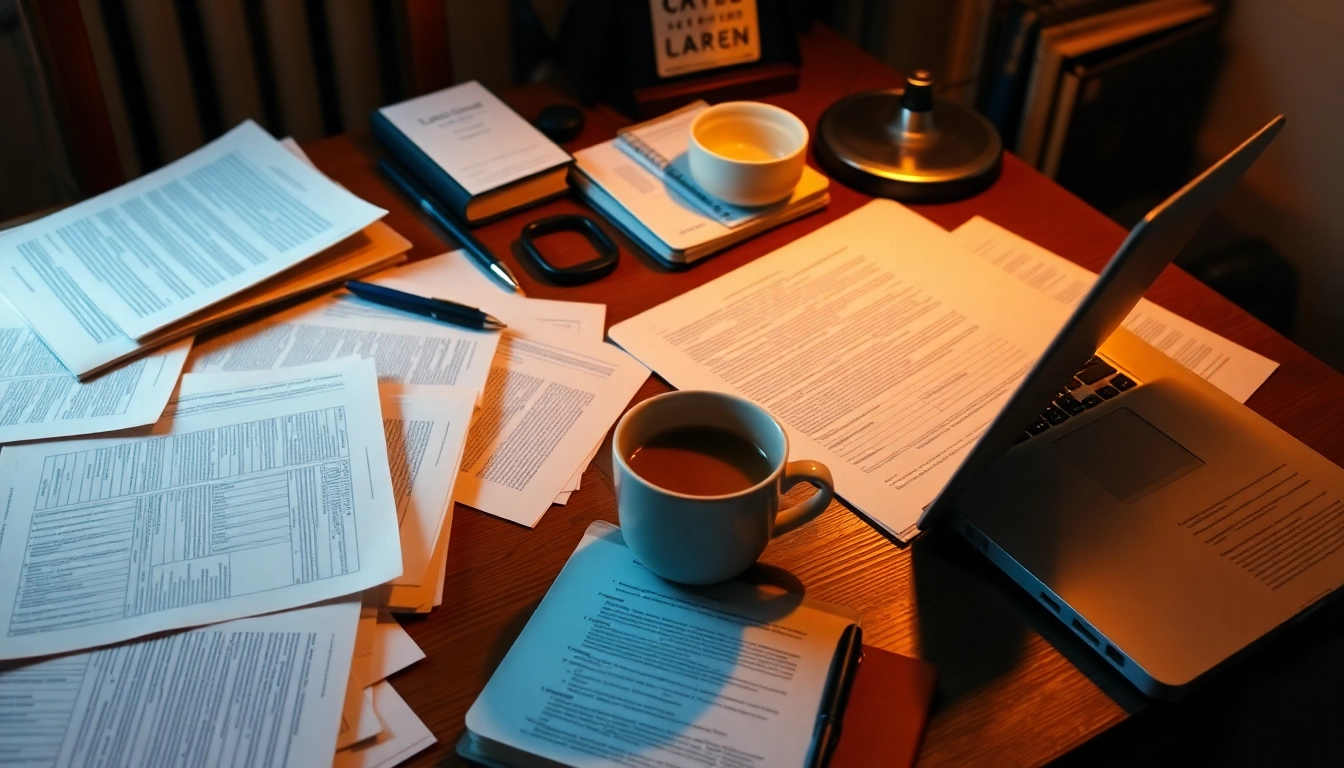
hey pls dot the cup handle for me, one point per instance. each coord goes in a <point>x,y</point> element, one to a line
<point>806,471</point>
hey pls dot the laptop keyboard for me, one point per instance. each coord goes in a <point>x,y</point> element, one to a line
<point>1095,383</point>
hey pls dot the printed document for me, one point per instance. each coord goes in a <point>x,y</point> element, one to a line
<point>258,691</point>
<point>39,399</point>
<point>124,264</point>
<point>426,428</point>
<point>618,667</point>
<point>405,347</point>
<point>454,277</point>
<point>1226,364</point>
<point>545,406</point>
<point>255,492</point>
<point>883,346</point>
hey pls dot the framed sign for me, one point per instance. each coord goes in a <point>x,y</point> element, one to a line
<point>647,57</point>
<point>694,35</point>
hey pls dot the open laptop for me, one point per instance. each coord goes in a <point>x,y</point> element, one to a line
<point>1165,523</point>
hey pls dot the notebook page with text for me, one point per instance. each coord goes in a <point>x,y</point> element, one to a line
<point>883,346</point>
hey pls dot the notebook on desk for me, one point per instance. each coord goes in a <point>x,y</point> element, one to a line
<point>618,667</point>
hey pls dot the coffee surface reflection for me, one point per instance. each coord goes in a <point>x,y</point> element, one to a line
<point>700,461</point>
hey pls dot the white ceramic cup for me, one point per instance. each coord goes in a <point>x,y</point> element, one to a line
<point>747,153</point>
<point>708,539</point>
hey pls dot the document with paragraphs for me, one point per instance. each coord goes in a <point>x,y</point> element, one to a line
<point>40,399</point>
<point>256,492</point>
<point>118,267</point>
<point>618,667</point>
<point>260,691</point>
<point>405,348</point>
<point>1223,363</point>
<point>883,346</point>
<point>545,406</point>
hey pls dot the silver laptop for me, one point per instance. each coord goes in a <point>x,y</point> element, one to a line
<point>1166,524</point>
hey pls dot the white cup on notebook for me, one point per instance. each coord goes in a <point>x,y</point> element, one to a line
<point>747,153</point>
<point>699,477</point>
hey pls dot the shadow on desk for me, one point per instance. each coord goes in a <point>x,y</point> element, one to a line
<point>1283,705</point>
<point>976,625</point>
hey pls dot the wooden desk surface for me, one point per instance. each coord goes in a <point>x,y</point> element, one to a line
<point>1015,688</point>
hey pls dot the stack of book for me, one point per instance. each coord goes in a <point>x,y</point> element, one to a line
<point>1071,83</point>
<point>641,182</point>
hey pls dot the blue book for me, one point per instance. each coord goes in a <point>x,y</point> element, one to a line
<point>477,156</point>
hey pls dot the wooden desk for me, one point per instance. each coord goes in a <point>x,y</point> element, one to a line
<point>1015,689</point>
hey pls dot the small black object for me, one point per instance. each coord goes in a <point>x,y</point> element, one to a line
<point>560,122</point>
<point>588,271</point>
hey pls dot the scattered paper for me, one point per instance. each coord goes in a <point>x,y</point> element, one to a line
<point>93,278</point>
<point>269,688</point>
<point>255,492</point>
<point>40,400</point>
<point>426,428</point>
<point>359,721</point>
<point>1226,364</point>
<point>545,406</point>
<point>403,734</point>
<point>883,346</point>
<point>424,597</point>
<point>387,649</point>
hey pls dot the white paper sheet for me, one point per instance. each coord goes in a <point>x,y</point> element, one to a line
<point>544,407</point>
<point>256,492</point>
<point>359,721</point>
<point>407,348</point>
<point>403,734</point>
<point>883,346</point>
<point>388,649</point>
<point>618,667</point>
<point>40,399</point>
<point>426,429</point>
<point>95,276</point>
<point>454,277</point>
<point>1226,364</point>
<point>268,687</point>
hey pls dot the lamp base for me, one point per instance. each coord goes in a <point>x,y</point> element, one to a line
<point>863,142</point>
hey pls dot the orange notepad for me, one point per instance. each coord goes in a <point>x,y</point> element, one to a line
<point>887,712</point>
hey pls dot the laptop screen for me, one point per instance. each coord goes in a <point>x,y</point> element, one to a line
<point>1149,248</point>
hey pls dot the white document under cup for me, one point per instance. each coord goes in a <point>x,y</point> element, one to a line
<point>709,539</point>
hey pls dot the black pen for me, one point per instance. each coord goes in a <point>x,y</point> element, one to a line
<point>492,266</point>
<point>438,309</point>
<point>844,665</point>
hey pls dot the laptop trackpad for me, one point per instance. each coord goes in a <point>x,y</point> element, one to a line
<point>1126,455</point>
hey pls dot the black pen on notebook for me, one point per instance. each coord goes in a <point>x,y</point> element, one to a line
<point>476,250</point>
<point>438,309</point>
<point>844,665</point>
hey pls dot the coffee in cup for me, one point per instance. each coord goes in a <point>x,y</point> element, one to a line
<point>699,477</point>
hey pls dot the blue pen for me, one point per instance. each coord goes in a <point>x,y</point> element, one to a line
<point>496,269</point>
<point>437,309</point>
